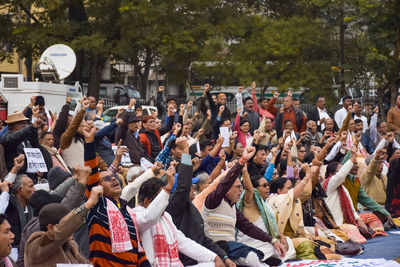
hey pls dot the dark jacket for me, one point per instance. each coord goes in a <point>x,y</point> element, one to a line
<point>129,140</point>
<point>299,115</point>
<point>185,215</point>
<point>255,169</point>
<point>13,218</point>
<point>103,145</point>
<point>254,119</point>
<point>214,108</point>
<point>14,143</point>
<point>313,115</point>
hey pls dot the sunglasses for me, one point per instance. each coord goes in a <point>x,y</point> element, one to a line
<point>108,178</point>
<point>263,185</point>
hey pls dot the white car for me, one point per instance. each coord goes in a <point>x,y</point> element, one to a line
<point>110,113</point>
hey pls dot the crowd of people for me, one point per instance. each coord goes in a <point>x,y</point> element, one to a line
<point>257,186</point>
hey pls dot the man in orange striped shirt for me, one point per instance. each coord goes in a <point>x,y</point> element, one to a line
<point>101,241</point>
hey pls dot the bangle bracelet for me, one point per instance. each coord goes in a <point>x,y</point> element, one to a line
<point>167,190</point>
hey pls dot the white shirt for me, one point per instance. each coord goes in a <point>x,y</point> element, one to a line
<point>186,246</point>
<point>340,115</point>
<point>364,120</point>
<point>322,114</point>
<point>333,199</point>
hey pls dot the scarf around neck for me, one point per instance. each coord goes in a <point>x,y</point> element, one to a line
<point>344,202</point>
<point>266,213</point>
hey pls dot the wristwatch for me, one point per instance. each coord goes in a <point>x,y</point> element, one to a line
<point>224,258</point>
<point>82,211</point>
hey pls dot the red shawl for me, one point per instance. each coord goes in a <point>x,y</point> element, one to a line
<point>344,203</point>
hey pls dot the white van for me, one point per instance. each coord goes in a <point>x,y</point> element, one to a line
<point>17,93</point>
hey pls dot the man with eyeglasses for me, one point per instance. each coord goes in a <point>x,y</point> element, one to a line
<point>113,227</point>
<point>221,217</point>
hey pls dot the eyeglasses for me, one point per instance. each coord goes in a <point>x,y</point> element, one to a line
<point>108,178</point>
<point>239,186</point>
<point>264,185</point>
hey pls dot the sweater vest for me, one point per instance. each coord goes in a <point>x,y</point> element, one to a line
<point>219,223</point>
<point>74,154</point>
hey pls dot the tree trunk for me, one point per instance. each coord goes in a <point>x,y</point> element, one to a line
<point>96,69</point>
<point>77,74</point>
<point>380,93</point>
<point>342,61</point>
<point>28,66</point>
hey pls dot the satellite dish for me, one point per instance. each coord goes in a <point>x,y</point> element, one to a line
<point>57,62</point>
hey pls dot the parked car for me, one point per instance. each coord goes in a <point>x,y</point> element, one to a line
<point>110,113</point>
<point>107,92</point>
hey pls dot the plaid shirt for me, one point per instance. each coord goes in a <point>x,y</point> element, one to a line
<point>164,156</point>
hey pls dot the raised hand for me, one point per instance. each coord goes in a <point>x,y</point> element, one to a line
<point>19,161</point>
<point>221,109</point>
<point>132,103</point>
<point>83,174</point>
<point>35,111</point>
<point>170,174</point>
<point>343,136</point>
<point>33,100</point>
<point>121,150</point>
<point>390,137</point>
<point>176,128</point>
<point>38,123</point>
<point>330,141</point>
<point>181,142</point>
<point>220,140</point>
<point>350,109</point>
<point>376,110</point>
<point>248,153</point>
<point>88,132</point>
<point>222,155</point>
<point>5,186</point>
<point>68,99</point>
<point>240,89</point>
<point>253,86</point>
<point>208,114</point>
<point>157,167</point>
<point>95,194</point>
<point>276,95</point>
<point>289,93</point>
<point>85,104</point>
<point>239,110</point>
<point>161,88</point>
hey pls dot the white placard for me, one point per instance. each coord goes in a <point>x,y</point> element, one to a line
<point>225,133</point>
<point>34,160</point>
<point>145,163</point>
<point>198,147</point>
<point>125,159</point>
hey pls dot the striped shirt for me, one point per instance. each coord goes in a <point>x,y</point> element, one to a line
<point>99,236</point>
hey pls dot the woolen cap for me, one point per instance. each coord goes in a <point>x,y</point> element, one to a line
<point>52,214</point>
<point>133,118</point>
<point>56,176</point>
<point>16,117</point>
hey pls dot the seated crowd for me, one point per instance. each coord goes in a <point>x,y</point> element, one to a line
<point>257,187</point>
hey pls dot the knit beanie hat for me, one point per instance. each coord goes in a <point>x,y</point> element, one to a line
<point>56,176</point>
<point>51,214</point>
<point>41,198</point>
